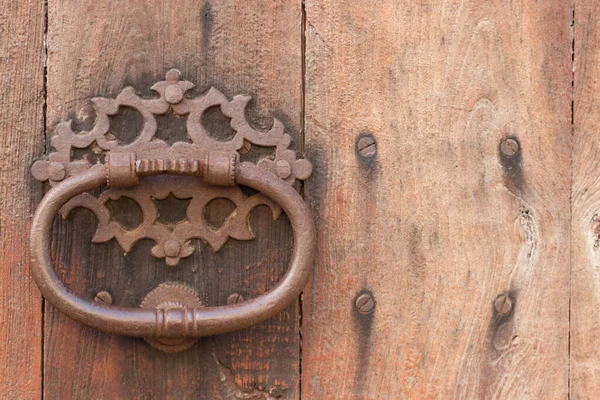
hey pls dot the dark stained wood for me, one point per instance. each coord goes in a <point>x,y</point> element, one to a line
<point>585,226</point>
<point>439,223</point>
<point>21,141</point>
<point>98,47</point>
<point>464,249</point>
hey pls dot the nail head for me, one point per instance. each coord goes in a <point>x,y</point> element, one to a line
<point>283,168</point>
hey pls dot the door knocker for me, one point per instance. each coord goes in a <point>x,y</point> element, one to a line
<point>172,314</point>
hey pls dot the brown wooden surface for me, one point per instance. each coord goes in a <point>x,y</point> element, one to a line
<point>438,224</point>
<point>98,47</point>
<point>585,228</point>
<point>21,141</point>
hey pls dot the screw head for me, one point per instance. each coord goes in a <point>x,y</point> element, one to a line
<point>365,303</point>
<point>104,297</point>
<point>367,146</point>
<point>503,304</point>
<point>283,168</point>
<point>509,147</point>
<point>234,298</point>
<point>43,170</point>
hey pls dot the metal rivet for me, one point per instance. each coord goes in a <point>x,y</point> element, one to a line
<point>302,169</point>
<point>283,168</point>
<point>44,170</point>
<point>234,298</point>
<point>104,297</point>
<point>509,147</point>
<point>367,146</point>
<point>365,303</point>
<point>503,304</point>
<point>39,170</point>
<point>173,94</point>
<point>56,171</point>
<point>172,248</point>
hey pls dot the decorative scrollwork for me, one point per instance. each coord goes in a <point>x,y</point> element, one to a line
<point>172,243</point>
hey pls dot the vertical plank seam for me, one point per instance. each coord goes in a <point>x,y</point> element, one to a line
<point>45,83</point>
<point>302,151</point>
<point>45,147</point>
<point>572,26</point>
<point>303,68</point>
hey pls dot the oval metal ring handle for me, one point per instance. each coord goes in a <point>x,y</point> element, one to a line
<point>122,169</point>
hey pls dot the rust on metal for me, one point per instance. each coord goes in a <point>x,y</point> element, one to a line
<point>509,147</point>
<point>150,168</point>
<point>167,296</point>
<point>155,157</point>
<point>104,297</point>
<point>503,304</point>
<point>367,146</point>
<point>365,303</point>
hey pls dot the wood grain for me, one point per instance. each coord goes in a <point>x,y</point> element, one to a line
<point>439,223</point>
<point>585,253</point>
<point>95,49</point>
<point>21,141</point>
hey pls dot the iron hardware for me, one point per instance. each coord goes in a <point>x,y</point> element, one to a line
<point>172,320</point>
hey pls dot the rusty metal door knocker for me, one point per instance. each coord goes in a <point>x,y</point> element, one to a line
<point>171,317</point>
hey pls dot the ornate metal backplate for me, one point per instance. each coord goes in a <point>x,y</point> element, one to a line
<point>172,242</point>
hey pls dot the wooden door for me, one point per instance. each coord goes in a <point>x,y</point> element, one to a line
<point>454,191</point>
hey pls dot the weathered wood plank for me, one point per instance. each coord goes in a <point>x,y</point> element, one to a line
<point>96,48</point>
<point>585,253</point>
<point>21,141</point>
<point>439,223</point>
